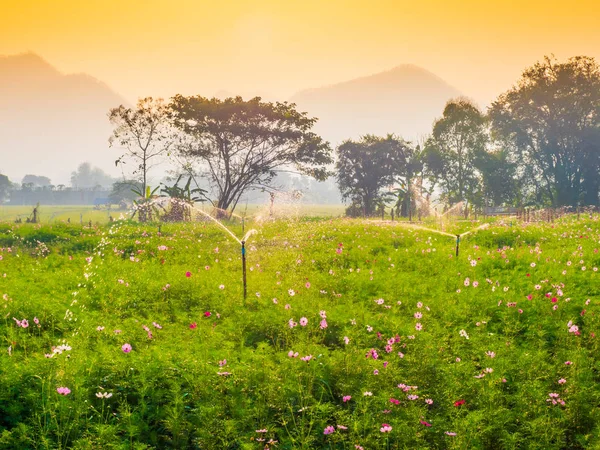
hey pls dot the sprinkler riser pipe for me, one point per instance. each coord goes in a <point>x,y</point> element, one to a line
<point>244,267</point>
<point>457,244</point>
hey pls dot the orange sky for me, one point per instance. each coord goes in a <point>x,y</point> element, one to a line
<point>277,47</point>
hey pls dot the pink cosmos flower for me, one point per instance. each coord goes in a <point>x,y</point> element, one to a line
<point>385,428</point>
<point>126,348</point>
<point>418,327</point>
<point>63,390</point>
<point>328,430</point>
<point>303,321</point>
<point>346,398</point>
<point>207,314</point>
<point>193,325</point>
<point>188,274</point>
<point>323,324</point>
<point>423,422</point>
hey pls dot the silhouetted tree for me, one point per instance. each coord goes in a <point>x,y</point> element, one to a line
<point>366,167</point>
<point>499,182</point>
<point>243,143</point>
<point>87,176</point>
<point>144,132</point>
<point>5,188</point>
<point>36,180</point>
<point>450,151</point>
<point>551,120</point>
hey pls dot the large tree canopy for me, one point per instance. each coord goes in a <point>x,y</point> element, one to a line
<point>242,144</point>
<point>366,167</point>
<point>450,151</point>
<point>551,118</point>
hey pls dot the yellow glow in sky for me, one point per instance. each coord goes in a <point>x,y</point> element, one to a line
<point>277,47</point>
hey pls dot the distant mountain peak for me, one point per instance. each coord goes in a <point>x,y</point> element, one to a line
<point>52,121</point>
<point>26,64</point>
<point>404,100</point>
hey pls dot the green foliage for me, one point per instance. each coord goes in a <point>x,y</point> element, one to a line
<point>551,122</point>
<point>208,369</point>
<point>457,137</point>
<point>243,143</point>
<point>366,167</point>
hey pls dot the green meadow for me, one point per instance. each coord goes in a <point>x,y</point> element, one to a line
<point>354,334</point>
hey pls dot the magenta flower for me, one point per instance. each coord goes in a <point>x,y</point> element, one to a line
<point>193,325</point>
<point>346,398</point>
<point>126,348</point>
<point>188,274</point>
<point>207,314</point>
<point>63,390</point>
<point>328,430</point>
<point>385,428</point>
<point>323,324</point>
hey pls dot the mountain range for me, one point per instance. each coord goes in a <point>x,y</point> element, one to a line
<point>50,121</point>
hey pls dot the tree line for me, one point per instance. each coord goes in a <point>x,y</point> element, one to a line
<point>538,144</point>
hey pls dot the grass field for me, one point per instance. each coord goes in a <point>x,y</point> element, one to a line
<point>83,214</point>
<point>355,334</point>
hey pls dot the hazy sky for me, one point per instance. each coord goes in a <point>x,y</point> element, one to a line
<point>277,47</point>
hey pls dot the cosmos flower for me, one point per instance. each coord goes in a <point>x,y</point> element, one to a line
<point>63,390</point>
